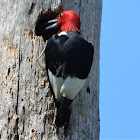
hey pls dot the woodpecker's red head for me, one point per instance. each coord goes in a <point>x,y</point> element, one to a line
<point>66,21</point>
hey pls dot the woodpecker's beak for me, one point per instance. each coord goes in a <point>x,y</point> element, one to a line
<point>53,25</point>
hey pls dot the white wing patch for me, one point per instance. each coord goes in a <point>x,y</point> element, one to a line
<point>68,88</point>
<point>71,87</point>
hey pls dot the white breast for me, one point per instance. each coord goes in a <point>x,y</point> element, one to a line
<point>62,33</point>
<point>68,88</point>
<point>56,83</point>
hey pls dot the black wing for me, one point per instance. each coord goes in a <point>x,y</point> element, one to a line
<point>69,56</point>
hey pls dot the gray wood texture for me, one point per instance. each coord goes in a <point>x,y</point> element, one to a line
<point>27,109</point>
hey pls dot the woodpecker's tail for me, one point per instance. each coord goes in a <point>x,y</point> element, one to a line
<point>63,114</point>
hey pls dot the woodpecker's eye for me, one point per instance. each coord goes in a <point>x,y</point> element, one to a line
<point>60,15</point>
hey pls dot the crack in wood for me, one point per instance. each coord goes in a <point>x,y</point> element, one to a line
<point>32,8</point>
<point>17,101</point>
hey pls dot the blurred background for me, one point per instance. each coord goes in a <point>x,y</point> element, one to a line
<point>120,70</point>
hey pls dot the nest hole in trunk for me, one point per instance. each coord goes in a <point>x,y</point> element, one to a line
<point>41,23</point>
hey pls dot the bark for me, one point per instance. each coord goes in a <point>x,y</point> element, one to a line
<point>27,110</point>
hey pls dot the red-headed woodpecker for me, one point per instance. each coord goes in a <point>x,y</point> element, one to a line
<point>68,59</point>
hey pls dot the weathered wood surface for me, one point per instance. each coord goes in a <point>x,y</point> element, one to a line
<point>26,105</point>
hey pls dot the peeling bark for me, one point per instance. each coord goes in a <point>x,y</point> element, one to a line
<point>27,109</point>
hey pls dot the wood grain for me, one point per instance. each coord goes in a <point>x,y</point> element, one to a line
<point>27,109</point>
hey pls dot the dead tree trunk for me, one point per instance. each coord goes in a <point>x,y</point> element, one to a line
<point>26,104</point>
